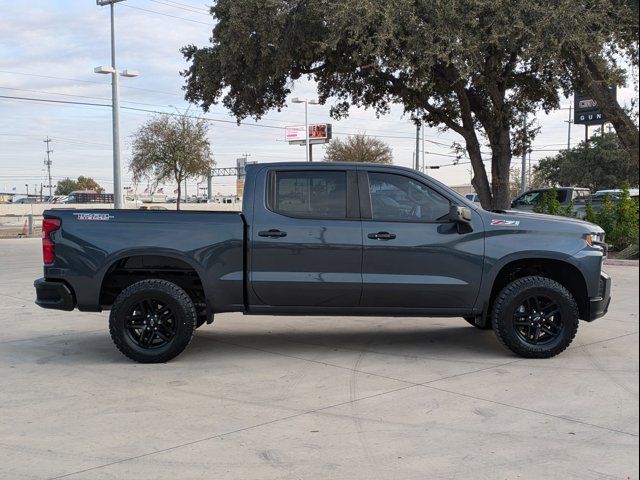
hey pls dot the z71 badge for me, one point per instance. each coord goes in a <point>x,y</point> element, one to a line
<point>505,223</point>
<point>94,217</point>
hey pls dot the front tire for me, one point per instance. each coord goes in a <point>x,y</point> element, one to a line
<point>535,317</point>
<point>152,321</point>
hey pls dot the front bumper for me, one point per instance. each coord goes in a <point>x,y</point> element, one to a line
<point>53,294</point>
<point>599,305</point>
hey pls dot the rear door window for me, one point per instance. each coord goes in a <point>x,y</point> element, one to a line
<point>310,194</point>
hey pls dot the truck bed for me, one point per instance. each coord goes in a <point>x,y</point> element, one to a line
<point>91,243</point>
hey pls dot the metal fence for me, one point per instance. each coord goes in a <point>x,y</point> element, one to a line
<point>20,226</point>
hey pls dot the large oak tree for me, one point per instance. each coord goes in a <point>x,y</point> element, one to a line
<point>477,67</point>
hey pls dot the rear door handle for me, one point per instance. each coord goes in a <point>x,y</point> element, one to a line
<point>273,233</point>
<point>382,236</point>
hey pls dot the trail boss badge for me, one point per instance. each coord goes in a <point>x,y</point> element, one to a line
<point>93,217</point>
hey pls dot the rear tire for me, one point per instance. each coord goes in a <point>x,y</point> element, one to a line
<point>152,321</point>
<point>535,317</point>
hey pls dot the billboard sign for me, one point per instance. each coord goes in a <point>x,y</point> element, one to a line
<point>318,133</point>
<point>586,110</point>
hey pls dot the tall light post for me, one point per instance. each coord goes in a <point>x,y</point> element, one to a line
<point>306,102</point>
<point>115,104</point>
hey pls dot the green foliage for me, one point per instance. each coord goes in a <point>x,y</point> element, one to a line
<point>569,211</point>
<point>88,183</point>
<point>625,231</point>
<point>590,213</point>
<point>359,148</point>
<point>607,216</point>
<point>619,220</point>
<point>599,164</point>
<point>171,148</point>
<point>549,203</point>
<point>67,185</point>
<point>472,66</point>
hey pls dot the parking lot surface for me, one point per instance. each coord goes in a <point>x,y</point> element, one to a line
<point>311,398</point>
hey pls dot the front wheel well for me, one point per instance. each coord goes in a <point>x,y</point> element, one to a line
<point>129,270</point>
<point>562,272</point>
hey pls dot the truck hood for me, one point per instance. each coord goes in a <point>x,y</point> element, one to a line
<point>537,221</point>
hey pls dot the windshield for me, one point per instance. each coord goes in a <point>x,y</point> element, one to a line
<point>535,197</point>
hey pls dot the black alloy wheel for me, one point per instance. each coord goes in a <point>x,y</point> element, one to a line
<point>151,323</point>
<point>538,320</point>
<point>535,317</point>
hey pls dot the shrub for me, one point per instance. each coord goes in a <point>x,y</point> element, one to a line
<point>625,231</point>
<point>590,213</point>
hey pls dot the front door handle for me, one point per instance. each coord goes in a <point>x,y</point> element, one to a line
<point>273,233</point>
<point>382,236</point>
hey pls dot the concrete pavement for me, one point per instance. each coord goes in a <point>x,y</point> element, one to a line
<point>311,398</point>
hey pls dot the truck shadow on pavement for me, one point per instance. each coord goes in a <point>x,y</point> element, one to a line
<point>466,343</point>
<point>455,343</point>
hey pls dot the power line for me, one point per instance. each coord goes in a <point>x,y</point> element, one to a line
<point>168,15</point>
<point>182,6</point>
<point>95,82</point>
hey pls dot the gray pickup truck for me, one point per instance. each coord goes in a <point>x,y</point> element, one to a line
<point>326,239</point>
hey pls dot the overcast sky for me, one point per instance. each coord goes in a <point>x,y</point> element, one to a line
<point>48,49</point>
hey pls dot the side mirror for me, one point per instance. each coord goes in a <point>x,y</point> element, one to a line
<point>460,215</point>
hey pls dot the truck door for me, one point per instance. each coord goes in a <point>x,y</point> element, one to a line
<point>306,238</point>
<point>413,255</point>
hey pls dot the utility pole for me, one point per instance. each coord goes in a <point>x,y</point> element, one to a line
<point>569,122</point>
<point>524,155</point>
<point>417,157</point>
<point>423,169</point>
<point>47,162</point>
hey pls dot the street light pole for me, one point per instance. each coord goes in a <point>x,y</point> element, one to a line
<point>115,104</point>
<point>306,122</point>
<point>306,127</point>
<point>115,112</point>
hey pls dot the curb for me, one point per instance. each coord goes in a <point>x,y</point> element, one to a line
<point>621,263</point>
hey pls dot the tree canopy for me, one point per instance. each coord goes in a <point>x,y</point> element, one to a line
<point>171,148</point>
<point>601,163</point>
<point>359,148</point>
<point>68,185</point>
<point>476,67</point>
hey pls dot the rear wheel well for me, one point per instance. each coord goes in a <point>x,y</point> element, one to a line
<point>129,270</point>
<point>562,272</point>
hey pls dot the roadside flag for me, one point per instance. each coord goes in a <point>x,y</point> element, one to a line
<point>146,190</point>
<point>160,190</point>
<point>175,191</point>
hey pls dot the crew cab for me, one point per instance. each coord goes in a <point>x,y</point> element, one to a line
<point>326,239</point>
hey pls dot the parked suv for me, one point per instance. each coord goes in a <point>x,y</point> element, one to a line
<point>530,199</point>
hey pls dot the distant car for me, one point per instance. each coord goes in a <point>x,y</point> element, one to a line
<point>530,199</point>
<point>152,207</point>
<point>473,197</point>
<point>23,200</point>
<point>613,193</point>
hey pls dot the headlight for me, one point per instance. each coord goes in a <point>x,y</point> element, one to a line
<point>595,239</point>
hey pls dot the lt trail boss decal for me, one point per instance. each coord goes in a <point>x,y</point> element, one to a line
<point>505,223</point>
<point>94,217</point>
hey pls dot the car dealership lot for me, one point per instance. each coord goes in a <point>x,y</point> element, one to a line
<point>286,397</point>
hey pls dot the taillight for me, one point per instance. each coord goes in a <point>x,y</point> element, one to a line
<point>48,247</point>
